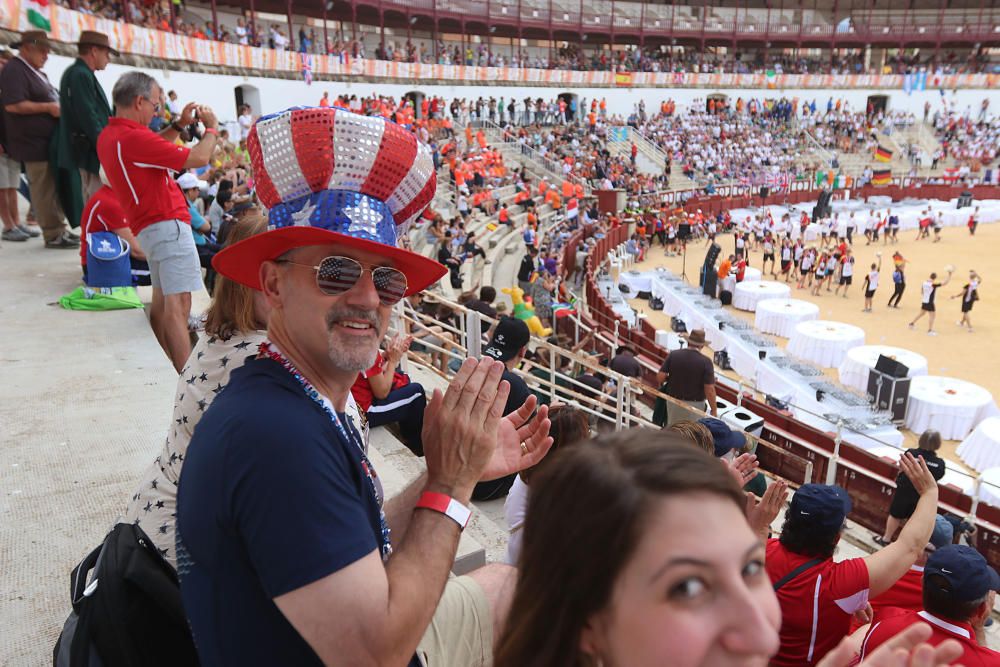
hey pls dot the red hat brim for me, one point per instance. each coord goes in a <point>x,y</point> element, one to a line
<point>241,261</point>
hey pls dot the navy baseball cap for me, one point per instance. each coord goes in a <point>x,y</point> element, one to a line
<point>825,504</point>
<point>943,532</point>
<point>968,574</point>
<point>725,438</point>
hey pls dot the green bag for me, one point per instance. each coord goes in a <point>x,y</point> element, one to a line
<point>102,298</point>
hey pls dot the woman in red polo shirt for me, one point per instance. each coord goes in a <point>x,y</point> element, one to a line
<point>818,596</point>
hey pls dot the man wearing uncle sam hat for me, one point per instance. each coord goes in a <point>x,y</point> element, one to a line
<point>286,550</point>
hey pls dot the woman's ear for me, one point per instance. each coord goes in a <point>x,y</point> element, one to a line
<point>592,639</point>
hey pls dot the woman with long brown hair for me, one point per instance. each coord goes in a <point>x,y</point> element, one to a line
<point>636,552</point>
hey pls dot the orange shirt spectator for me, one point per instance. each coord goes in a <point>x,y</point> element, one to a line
<point>724,268</point>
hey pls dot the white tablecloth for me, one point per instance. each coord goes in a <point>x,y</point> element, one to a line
<point>779,316</point>
<point>953,407</point>
<point>752,274</point>
<point>989,489</point>
<point>981,450</point>
<point>860,360</point>
<point>636,281</point>
<point>747,294</point>
<point>824,342</point>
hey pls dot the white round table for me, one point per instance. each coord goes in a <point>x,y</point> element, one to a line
<point>981,449</point>
<point>752,274</point>
<point>779,316</point>
<point>989,487</point>
<point>953,407</point>
<point>860,360</point>
<point>747,294</point>
<point>824,342</point>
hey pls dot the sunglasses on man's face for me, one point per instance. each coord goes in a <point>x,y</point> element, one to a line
<point>336,275</point>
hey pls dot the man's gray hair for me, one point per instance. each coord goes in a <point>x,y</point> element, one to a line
<point>130,86</point>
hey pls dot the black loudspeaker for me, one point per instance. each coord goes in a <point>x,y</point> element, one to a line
<point>762,354</point>
<point>726,297</point>
<point>721,359</point>
<point>678,326</point>
<point>709,277</point>
<point>891,367</point>
<point>684,231</point>
<point>964,200</point>
<point>889,393</point>
<point>822,207</point>
<point>764,191</point>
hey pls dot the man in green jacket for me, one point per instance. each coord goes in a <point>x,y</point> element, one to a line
<point>85,112</point>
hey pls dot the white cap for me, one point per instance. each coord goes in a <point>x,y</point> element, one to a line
<point>188,180</point>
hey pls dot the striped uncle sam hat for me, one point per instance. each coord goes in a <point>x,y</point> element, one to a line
<point>331,177</point>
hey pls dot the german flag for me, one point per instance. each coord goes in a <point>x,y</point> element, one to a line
<point>882,177</point>
<point>883,154</point>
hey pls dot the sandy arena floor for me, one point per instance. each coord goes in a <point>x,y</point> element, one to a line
<point>954,352</point>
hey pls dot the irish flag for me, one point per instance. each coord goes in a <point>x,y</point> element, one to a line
<point>38,14</point>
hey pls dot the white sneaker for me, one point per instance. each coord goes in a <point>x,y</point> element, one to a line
<point>932,333</point>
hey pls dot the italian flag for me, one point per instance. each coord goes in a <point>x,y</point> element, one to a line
<point>38,14</point>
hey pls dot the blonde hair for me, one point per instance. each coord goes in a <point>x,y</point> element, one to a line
<point>696,433</point>
<point>232,309</point>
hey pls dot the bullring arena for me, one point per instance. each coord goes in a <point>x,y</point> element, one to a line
<point>593,173</point>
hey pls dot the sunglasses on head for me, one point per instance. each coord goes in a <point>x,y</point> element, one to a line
<point>336,275</point>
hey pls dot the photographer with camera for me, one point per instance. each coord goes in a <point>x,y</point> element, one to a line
<point>139,164</point>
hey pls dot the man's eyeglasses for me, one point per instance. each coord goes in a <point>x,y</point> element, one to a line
<point>336,275</point>
<point>156,105</point>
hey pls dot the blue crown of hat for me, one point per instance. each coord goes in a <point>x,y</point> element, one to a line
<point>362,176</point>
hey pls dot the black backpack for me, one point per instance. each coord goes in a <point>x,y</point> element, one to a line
<point>128,612</point>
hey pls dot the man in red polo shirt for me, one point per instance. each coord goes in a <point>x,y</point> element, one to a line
<point>818,596</point>
<point>140,166</point>
<point>959,590</point>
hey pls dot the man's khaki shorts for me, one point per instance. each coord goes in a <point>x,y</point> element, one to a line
<point>461,632</point>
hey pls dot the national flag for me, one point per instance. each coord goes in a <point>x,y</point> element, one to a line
<point>38,14</point>
<point>572,209</point>
<point>491,226</point>
<point>883,154</point>
<point>772,79</point>
<point>623,79</point>
<point>882,177</point>
<point>307,69</point>
<point>564,308</point>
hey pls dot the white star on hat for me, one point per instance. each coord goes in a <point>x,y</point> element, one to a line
<point>357,214</point>
<point>301,218</point>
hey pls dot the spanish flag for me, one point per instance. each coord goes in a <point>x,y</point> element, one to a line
<point>883,154</point>
<point>623,78</point>
<point>882,177</point>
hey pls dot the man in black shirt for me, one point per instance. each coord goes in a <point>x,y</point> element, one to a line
<point>624,362</point>
<point>508,344</point>
<point>690,378</point>
<point>484,304</point>
<point>526,269</point>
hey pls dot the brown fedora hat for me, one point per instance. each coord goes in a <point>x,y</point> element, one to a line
<point>696,338</point>
<point>93,38</point>
<point>34,37</point>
